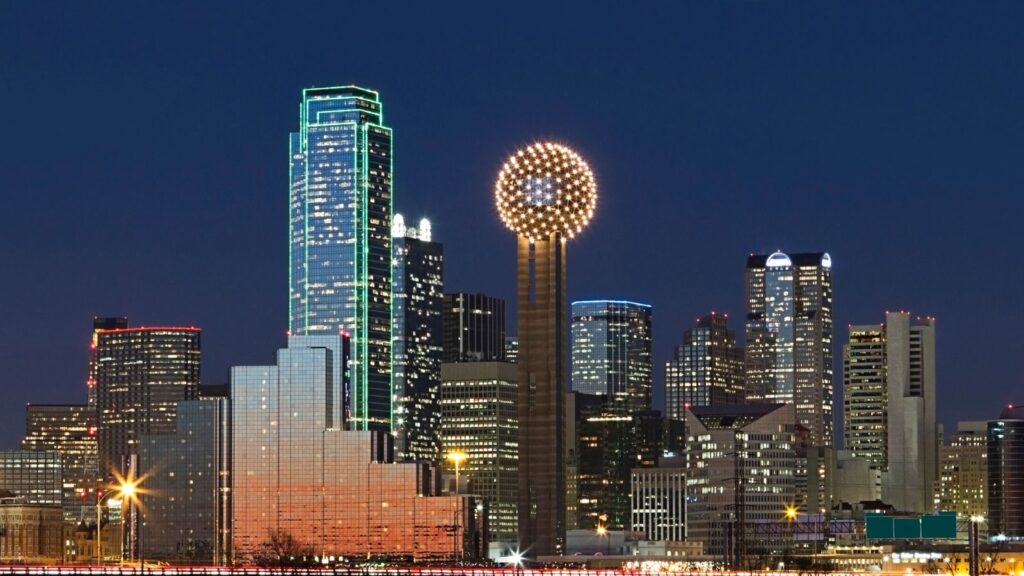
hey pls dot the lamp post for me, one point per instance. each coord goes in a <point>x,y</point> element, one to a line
<point>602,532</point>
<point>972,543</point>
<point>125,491</point>
<point>457,458</point>
<point>791,513</point>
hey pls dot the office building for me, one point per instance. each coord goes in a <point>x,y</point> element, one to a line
<point>33,477</point>
<point>609,446</point>
<point>1006,476</point>
<point>30,533</point>
<point>963,471</point>
<point>339,249</point>
<point>331,492</point>
<point>479,418</point>
<point>658,501</point>
<point>511,349</point>
<point>789,337</point>
<point>740,472</point>
<point>141,375</point>
<point>417,294</point>
<point>99,323</point>
<point>474,328</point>
<point>889,407</point>
<point>706,369</point>
<point>611,352</point>
<point>69,429</point>
<point>546,194</point>
<point>185,512</point>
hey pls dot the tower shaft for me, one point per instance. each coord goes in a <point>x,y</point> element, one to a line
<point>543,373</point>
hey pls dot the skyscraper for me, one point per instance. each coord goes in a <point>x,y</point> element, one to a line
<point>789,336</point>
<point>546,194</point>
<point>1006,475</point>
<point>185,502</point>
<point>706,369</point>
<point>418,298</point>
<point>474,328</point>
<point>340,239</point>
<point>479,418</point>
<point>889,407</point>
<point>141,375</point>
<point>740,472</point>
<point>963,471</point>
<point>99,323</point>
<point>611,352</point>
<point>71,430</point>
<point>332,492</point>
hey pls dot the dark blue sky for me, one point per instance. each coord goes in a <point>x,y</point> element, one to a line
<point>144,150</point>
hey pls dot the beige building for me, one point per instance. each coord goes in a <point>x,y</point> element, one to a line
<point>740,471</point>
<point>889,407</point>
<point>31,533</point>
<point>963,477</point>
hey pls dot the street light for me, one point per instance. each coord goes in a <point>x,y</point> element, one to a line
<point>791,512</point>
<point>457,458</point>
<point>125,491</point>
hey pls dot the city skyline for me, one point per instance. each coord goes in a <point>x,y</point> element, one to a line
<point>222,209</point>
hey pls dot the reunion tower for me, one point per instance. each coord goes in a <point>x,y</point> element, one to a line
<point>546,194</point>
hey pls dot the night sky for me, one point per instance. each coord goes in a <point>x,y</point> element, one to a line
<point>143,162</point>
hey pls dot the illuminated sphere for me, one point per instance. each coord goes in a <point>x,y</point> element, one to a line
<point>543,189</point>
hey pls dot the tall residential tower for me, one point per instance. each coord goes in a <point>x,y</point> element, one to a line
<point>789,337</point>
<point>340,240</point>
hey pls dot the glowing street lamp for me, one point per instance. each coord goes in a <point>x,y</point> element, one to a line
<point>125,490</point>
<point>791,512</point>
<point>457,458</point>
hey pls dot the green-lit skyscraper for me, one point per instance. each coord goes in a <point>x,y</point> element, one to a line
<point>340,241</point>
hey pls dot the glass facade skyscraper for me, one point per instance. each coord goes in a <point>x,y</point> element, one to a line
<point>340,239</point>
<point>71,430</point>
<point>706,369</point>
<point>789,337</point>
<point>1006,476</point>
<point>336,492</point>
<point>418,280</point>
<point>141,375</point>
<point>34,476</point>
<point>185,502</point>
<point>611,352</point>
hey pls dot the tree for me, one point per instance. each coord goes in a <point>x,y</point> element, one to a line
<point>281,548</point>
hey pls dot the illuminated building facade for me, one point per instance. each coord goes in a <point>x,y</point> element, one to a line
<point>479,418</point>
<point>658,501</point>
<point>740,471</point>
<point>99,323</point>
<point>511,349</point>
<point>706,369</point>
<point>474,328</point>
<point>185,502</point>
<point>71,430</point>
<point>336,492</point>
<point>418,297</point>
<point>610,445</point>
<point>889,407</point>
<point>789,337</point>
<point>340,240</point>
<point>35,477</point>
<point>546,194</point>
<point>611,352</point>
<point>141,375</point>
<point>963,471</point>
<point>1006,476</point>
